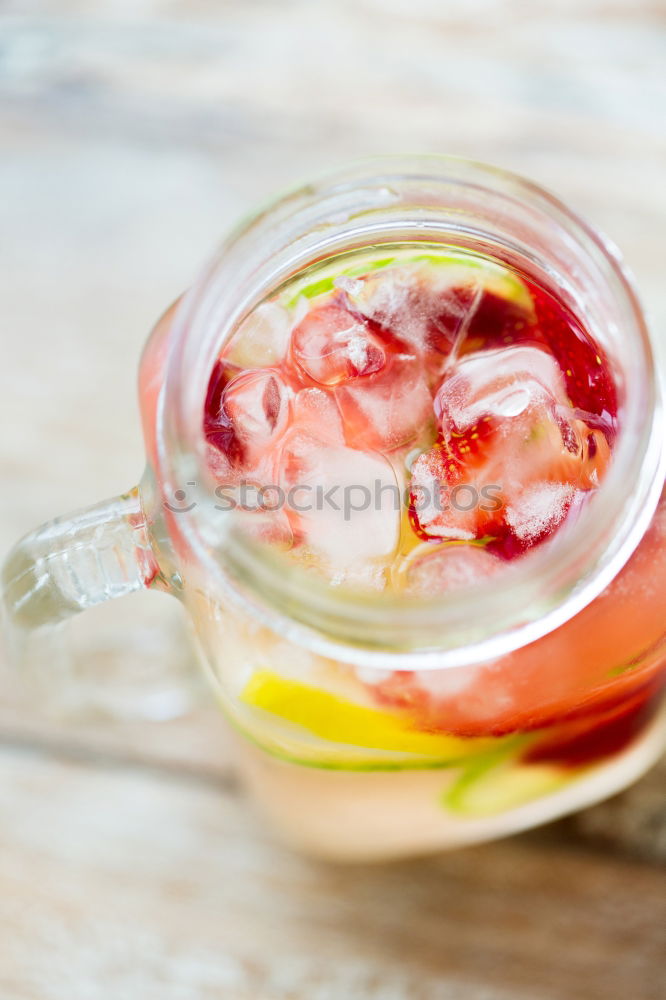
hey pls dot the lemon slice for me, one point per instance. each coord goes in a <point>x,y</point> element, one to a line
<point>342,723</point>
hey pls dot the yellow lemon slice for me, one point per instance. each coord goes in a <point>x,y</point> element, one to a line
<point>344,723</point>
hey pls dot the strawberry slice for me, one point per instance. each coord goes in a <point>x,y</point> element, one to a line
<point>498,321</point>
<point>586,369</point>
<point>446,503</point>
<point>508,437</point>
<point>219,430</point>
<point>584,740</point>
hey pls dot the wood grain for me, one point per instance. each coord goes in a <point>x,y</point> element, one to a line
<point>130,884</point>
<point>132,136</point>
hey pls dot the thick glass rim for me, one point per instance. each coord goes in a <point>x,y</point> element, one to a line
<point>545,588</point>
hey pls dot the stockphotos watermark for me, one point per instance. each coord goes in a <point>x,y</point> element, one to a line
<point>348,499</point>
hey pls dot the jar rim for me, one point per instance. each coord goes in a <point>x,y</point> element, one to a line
<point>547,586</point>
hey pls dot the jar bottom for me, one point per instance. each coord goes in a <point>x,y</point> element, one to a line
<point>361,816</point>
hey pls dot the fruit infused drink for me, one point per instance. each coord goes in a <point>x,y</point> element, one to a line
<point>405,471</point>
<point>415,420</point>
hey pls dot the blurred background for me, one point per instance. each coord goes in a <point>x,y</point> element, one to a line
<point>133,133</point>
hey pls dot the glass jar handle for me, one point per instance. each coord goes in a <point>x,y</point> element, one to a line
<point>73,563</point>
<point>77,562</point>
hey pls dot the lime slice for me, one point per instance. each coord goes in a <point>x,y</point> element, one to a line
<point>488,787</point>
<point>495,278</point>
<point>309,289</point>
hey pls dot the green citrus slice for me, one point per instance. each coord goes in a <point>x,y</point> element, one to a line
<point>489,787</point>
<point>450,267</point>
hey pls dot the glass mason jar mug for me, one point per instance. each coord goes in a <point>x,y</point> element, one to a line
<point>372,722</point>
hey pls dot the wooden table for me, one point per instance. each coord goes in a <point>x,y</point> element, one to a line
<point>131,866</point>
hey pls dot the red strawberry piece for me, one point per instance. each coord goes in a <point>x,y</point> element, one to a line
<point>498,322</point>
<point>469,447</point>
<point>584,365</point>
<point>506,428</point>
<point>599,734</point>
<point>447,501</point>
<point>218,428</point>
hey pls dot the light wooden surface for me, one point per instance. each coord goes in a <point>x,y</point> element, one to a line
<point>133,134</point>
<point>120,882</point>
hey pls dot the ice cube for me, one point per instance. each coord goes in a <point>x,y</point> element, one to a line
<point>331,346</point>
<point>516,397</point>
<point>395,302</point>
<point>219,464</point>
<point>390,410</point>
<point>429,570</point>
<point>262,339</point>
<point>315,412</point>
<point>254,412</point>
<point>504,383</point>
<point>505,418</point>
<point>346,283</point>
<point>535,511</point>
<point>450,314</point>
<point>418,309</point>
<point>343,504</point>
<point>265,525</point>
